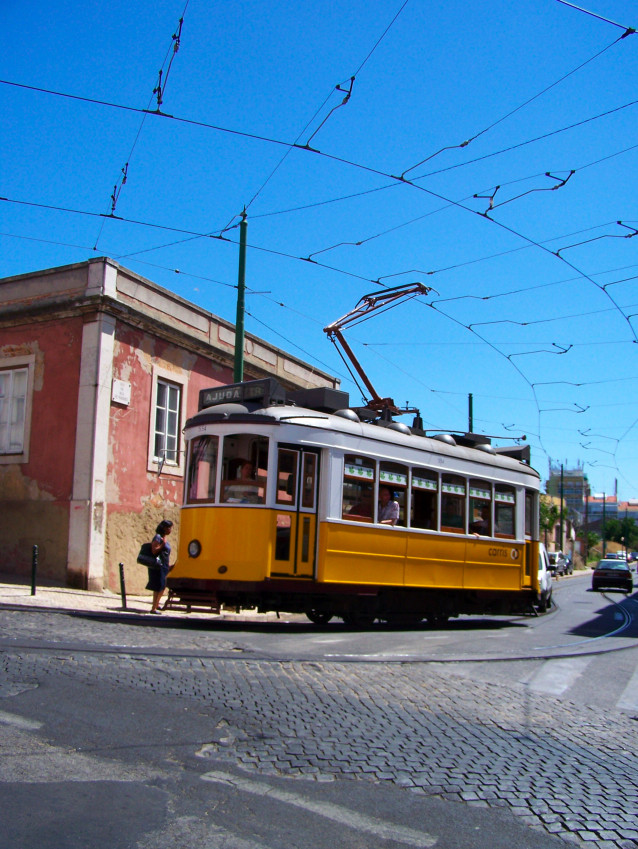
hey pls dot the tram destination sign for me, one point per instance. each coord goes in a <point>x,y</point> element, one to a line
<point>265,392</point>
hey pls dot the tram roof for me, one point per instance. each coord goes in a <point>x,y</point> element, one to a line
<point>471,447</point>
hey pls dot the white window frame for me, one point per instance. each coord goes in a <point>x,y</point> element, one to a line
<point>168,467</point>
<point>14,364</point>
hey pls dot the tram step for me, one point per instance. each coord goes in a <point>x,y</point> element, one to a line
<point>192,601</point>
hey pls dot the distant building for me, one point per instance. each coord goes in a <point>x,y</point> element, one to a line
<point>601,507</point>
<point>574,489</point>
<point>99,370</point>
<point>628,509</point>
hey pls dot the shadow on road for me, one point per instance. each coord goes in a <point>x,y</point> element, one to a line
<point>617,617</point>
<point>297,627</point>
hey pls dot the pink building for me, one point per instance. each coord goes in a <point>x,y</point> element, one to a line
<point>99,370</point>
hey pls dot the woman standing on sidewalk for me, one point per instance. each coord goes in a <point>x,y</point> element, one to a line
<point>161,548</point>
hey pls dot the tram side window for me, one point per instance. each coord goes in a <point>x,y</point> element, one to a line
<point>395,478</point>
<point>358,488</point>
<point>531,515</point>
<point>453,504</point>
<point>202,470</point>
<point>244,468</point>
<point>286,477</point>
<point>505,511</point>
<point>480,508</point>
<point>423,504</point>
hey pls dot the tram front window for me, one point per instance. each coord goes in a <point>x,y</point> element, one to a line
<point>202,470</point>
<point>358,489</point>
<point>244,468</point>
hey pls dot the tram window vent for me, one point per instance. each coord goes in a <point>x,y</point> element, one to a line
<point>472,440</point>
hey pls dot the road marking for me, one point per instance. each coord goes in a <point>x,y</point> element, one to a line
<point>556,676</point>
<point>19,721</point>
<point>629,697</point>
<point>344,816</point>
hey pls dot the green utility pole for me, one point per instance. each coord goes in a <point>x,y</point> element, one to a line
<point>562,495</point>
<point>470,413</point>
<point>238,375</point>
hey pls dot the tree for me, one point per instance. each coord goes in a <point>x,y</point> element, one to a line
<point>621,530</point>
<point>592,541</point>
<point>549,515</point>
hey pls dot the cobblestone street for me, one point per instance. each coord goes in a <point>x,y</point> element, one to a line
<point>572,773</point>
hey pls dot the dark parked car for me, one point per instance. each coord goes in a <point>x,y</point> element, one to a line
<point>557,563</point>
<point>612,574</point>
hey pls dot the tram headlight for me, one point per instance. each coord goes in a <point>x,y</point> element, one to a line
<point>194,548</point>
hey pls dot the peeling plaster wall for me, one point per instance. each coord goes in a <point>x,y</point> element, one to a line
<point>31,516</point>
<point>34,496</point>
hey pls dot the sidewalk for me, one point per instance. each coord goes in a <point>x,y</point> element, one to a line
<point>16,590</point>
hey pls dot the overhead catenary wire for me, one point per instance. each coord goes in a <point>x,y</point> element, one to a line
<point>340,88</point>
<point>521,226</point>
<point>158,92</point>
<point>518,108</point>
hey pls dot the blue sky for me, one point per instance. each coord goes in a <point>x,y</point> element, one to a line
<point>534,308</point>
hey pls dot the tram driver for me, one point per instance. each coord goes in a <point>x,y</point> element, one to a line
<point>388,507</point>
<point>243,488</point>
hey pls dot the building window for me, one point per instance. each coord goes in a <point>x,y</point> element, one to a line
<point>15,409</point>
<point>167,421</point>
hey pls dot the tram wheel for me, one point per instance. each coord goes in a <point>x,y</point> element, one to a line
<point>319,616</point>
<point>356,619</point>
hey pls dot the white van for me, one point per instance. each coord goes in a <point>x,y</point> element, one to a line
<point>544,579</point>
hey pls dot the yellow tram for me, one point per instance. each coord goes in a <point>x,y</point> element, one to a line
<point>281,513</point>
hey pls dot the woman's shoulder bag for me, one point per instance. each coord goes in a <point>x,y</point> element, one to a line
<point>147,558</point>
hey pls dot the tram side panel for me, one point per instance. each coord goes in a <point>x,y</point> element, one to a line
<point>389,557</point>
<point>361,554</point>
<point>494,565</point>
<point>435,561</point>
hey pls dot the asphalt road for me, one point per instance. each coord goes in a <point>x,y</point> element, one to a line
<point>131,731</point>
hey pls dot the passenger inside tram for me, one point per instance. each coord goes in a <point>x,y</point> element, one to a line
<point>388,507</point>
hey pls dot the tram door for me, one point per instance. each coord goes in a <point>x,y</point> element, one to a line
<point>296,513</point>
